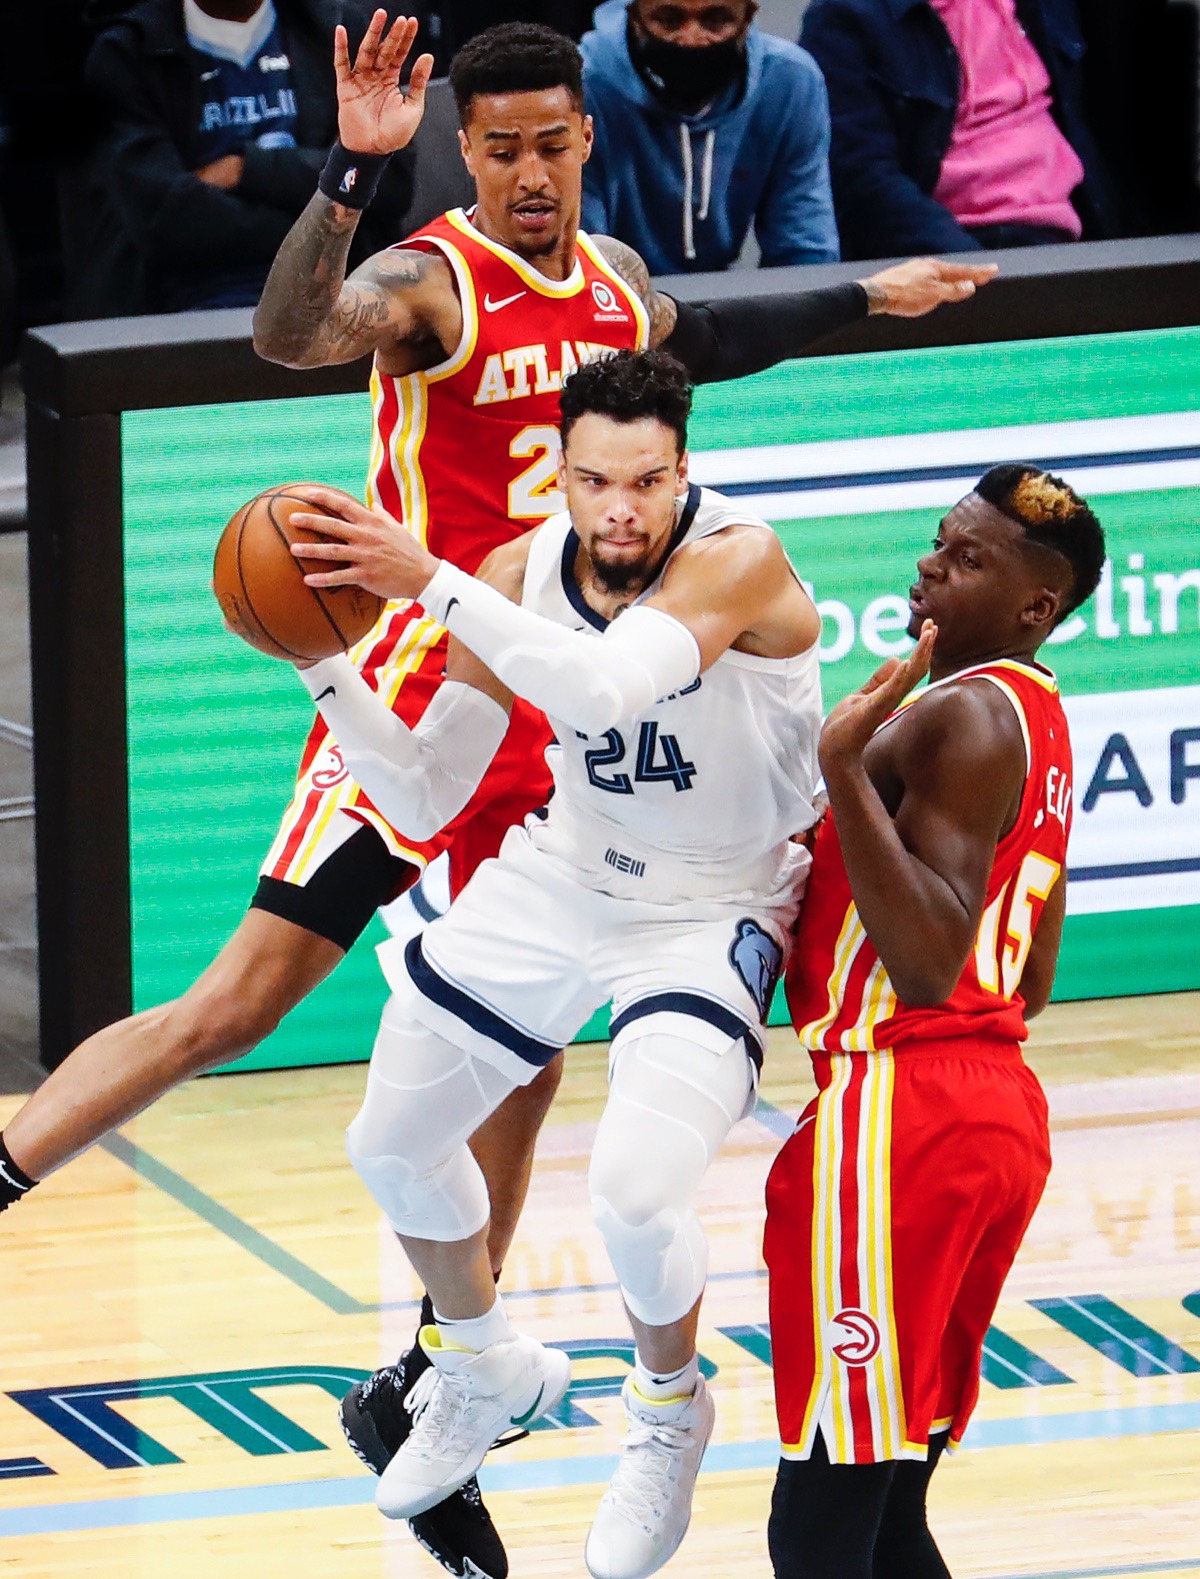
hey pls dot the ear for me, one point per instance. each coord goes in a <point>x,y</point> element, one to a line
<point>1042,610</point>
<point>464,148</point>
<point>562,471</point>
<point>681,472</point>
<point>589,137</point>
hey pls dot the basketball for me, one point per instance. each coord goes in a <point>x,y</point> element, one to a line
<point>260,584</point>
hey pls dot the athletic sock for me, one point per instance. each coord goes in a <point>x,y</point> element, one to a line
<point>14,1181</point>
<point>657,1387</point>
<point>477,1332</point>
<point>414,1360</point>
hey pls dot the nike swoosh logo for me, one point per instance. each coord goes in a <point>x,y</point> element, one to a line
<point>328,691</point>
<point>489,306</point>
<point>531,1411</point>
<point>453,604</point>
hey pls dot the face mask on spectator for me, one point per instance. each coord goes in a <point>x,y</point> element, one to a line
<point>688,75</point>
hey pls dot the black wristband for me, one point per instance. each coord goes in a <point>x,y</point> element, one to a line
<point>14,1181</point>
<point>740,335</point>
<point>351,179</point>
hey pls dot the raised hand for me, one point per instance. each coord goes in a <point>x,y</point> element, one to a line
<point>912,289</point>
<point>374,116</point>
<point>856,718</point>
<point>368,549</point>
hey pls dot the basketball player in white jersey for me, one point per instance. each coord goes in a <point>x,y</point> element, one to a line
<point>660,876</point>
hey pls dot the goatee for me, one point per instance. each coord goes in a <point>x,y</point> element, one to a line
<point>619,577</point>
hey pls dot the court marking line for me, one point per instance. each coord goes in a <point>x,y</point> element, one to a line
<point>586,1470</point>
<point>250,1239</point>
<point>307,1278</point>
<point>299,1273</point>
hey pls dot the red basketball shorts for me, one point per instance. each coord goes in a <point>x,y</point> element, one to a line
<point>894,1214</point>
<point>406,665</point>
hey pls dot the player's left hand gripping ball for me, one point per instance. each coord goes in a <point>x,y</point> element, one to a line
<point>364,548</point>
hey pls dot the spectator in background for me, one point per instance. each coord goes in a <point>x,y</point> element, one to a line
<point>957,124</point>
<point>705,125</point>
<point>460,20</point>
<point>217,116</point>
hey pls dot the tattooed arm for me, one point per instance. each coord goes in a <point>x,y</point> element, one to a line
<point>736,336</point>
<point>629,265</point>
<point>311,315</point>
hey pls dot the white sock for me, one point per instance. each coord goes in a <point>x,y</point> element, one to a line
<point>657,1387</point>
<point>476,1332</point>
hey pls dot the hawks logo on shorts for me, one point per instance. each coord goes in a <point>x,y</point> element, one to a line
<point>911,1179</point>
<point>465,454</point>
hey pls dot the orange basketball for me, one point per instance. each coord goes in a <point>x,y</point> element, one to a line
<point>260,584</point>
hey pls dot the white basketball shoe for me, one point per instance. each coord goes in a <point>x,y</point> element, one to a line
<point>475,1399</point>
<point>644,1514</point>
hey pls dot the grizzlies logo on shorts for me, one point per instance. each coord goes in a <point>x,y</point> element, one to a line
<point>756,959</point>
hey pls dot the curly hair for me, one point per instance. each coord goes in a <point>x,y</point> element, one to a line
<point>515,57</point>
<point>628,386</point>
<point>1054,516</point>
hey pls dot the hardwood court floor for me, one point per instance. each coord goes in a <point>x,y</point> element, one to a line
<point>181,1308</point>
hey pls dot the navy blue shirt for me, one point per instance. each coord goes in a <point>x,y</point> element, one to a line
<point>249,100</point>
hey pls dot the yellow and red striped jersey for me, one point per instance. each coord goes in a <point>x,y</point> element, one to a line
<point>840,995</point>
<point>465,453</point>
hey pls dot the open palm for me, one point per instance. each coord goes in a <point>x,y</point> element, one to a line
<point>856,717</point>
<point>374,116</point>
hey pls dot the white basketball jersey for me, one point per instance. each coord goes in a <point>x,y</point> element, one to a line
<point>699,795</point>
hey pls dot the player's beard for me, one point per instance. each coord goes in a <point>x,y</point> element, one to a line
<point>621,577</point>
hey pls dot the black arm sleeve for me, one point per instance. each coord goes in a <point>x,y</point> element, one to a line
<point>729,339</point>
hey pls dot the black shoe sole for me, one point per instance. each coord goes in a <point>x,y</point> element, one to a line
<point>461,1568</point>
<point>360,1432</point>
<point>363,1436</point>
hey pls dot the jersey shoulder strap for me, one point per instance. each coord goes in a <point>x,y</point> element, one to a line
<point>543,567</point>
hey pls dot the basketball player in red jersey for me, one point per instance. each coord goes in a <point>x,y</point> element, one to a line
<point>472,324</point>
<point>928,937</point>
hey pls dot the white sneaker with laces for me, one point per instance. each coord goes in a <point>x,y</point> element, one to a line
<point>644,1514</point>
<point>473,1399</point>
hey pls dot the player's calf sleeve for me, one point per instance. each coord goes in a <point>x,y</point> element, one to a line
<point>14,1181</point>
<point>661,1260</point>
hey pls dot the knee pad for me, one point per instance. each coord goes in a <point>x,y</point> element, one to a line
<point>448,1202</point>
<point>661,1260</point>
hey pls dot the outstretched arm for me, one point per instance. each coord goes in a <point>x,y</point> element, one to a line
<point>421,778</point>
<point>310,315</point>
<point>730,339</point>
<point>919,879</point>
<point>652,650</point>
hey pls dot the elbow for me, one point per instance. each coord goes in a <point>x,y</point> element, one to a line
<point>926,983</point>
<point>420,829</point>
<point>414,822</point>
<point>921,990</point>
<point>598,715</point>
<point>274,345</point>
<point>1036,996</point>
<point>265,340</point>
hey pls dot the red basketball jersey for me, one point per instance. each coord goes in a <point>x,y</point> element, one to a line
<point>465,453</point>
<point>838,991</point>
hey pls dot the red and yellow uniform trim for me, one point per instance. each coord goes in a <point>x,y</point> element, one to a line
<point>858,1404</point>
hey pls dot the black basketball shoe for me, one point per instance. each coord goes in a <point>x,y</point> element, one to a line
<point>459,1532</point>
